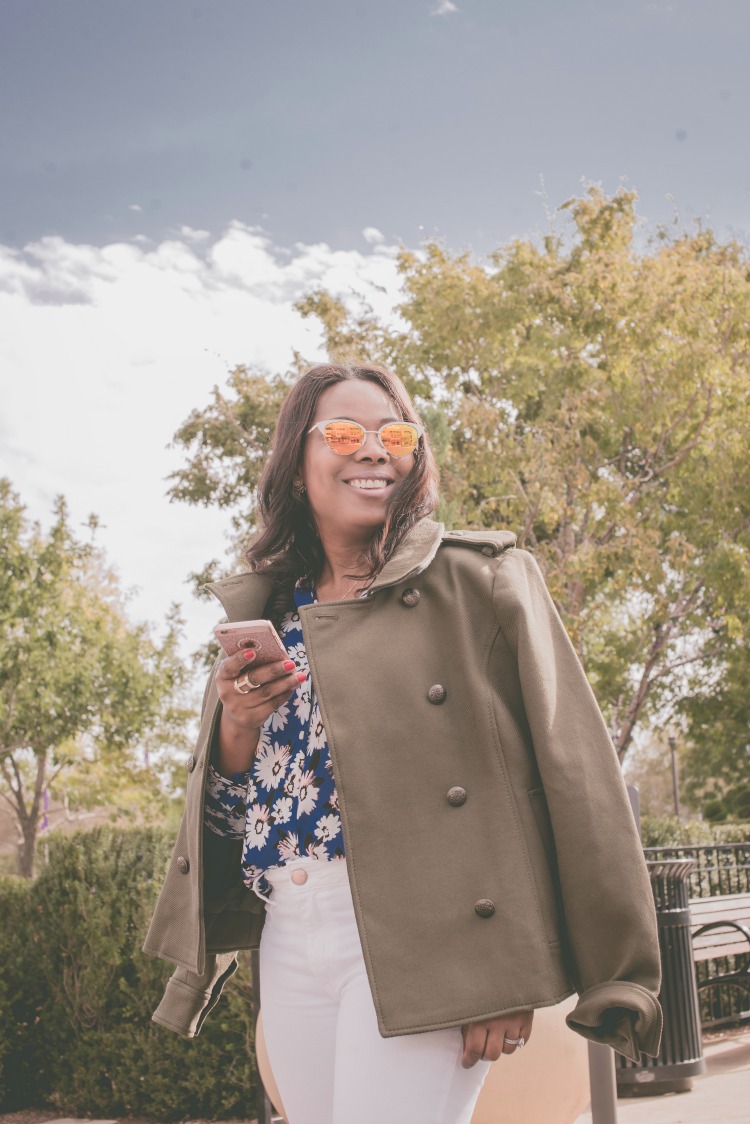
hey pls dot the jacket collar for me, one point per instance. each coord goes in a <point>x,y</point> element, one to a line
<point>244,596</point>
<point>413,554</point>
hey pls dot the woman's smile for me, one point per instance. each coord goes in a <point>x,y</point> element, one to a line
<point>370,485</point>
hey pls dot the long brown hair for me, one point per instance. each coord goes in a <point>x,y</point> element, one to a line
<point>288,546</point>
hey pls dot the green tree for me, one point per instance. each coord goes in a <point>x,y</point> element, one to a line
<point>716,760</point>
<point>592,397</point>
<point>84,694</point>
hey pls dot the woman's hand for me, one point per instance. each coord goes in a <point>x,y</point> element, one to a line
<point>243,714</point>
<point>486,1039</point>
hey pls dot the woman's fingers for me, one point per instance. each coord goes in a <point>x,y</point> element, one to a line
<point>232,666</point>
<point>275,683</point>
<point>520,1028</point>
<point>496,1044</point>
<point>486,1039</point>
<point>475,1038</point>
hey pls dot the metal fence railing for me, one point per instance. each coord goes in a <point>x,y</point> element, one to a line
<point>720,869</point>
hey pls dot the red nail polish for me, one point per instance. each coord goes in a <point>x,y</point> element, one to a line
<point>289,665</point>
<point>249,654</point>
<point>301,675</point>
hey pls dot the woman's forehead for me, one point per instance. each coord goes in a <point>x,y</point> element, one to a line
<point>355,397</point>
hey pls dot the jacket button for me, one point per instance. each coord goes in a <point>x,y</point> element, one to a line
<point>484,907</point>
<point>437,693</point>
<point>190,763</point>
<point>410,597</point>
<point>487,550</point>
<point>183,864</point>
<point>456,796</point>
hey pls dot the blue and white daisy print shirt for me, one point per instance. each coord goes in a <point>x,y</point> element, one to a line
<point>285,804</point>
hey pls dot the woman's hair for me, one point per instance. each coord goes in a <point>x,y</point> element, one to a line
<point>287,546</point>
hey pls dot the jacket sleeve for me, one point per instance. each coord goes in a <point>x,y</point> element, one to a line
<point>607,901</point>
<point>189,997</point>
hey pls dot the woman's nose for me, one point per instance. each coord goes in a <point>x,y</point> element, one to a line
<point>372,448</point>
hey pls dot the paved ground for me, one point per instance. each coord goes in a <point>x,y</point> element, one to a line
<point>720,1095</point>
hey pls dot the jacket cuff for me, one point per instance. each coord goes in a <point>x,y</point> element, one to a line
<point>189,997</point>
<point>620,1014</point>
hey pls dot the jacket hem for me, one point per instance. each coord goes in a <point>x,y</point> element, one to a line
<point>496,1012</point>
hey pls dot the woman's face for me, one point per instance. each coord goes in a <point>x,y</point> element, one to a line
<point>337,503</point>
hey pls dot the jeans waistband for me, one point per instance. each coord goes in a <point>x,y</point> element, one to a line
<point>320,872</point>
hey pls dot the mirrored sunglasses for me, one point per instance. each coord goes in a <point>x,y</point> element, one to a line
<point>345,437</point>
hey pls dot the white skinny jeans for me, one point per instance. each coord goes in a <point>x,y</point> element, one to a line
<point>328,1058</point>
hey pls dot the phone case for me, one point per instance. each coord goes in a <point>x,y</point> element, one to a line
<point>259,635</point>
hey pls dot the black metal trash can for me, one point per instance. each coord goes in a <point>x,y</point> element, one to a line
<point>681,1054</point>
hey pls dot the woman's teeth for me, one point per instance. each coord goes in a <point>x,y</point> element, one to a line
<point>368,483</point>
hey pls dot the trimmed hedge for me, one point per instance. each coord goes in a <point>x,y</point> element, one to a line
<point>77,994</point>
<point>669,831</point>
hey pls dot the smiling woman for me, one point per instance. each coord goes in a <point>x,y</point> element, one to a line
<point>405,817</point>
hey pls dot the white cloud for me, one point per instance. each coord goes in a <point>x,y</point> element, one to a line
<point>135,207</point>
<point>372,235</point>
<point>194,235</point>
<point>444,8</point>
<point>105,350</point>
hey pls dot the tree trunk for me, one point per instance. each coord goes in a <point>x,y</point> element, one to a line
<point>27,815</point>
<point>26,849</point>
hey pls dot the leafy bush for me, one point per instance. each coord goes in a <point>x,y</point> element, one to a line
<point>21,996</point>
<point>669,831</point>
<point>75,1017</point>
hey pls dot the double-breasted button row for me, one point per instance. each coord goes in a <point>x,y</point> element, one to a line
<point>437,692</point>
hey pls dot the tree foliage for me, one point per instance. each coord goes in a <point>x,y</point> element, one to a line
<point>84,694</point>
<point>592,397</point>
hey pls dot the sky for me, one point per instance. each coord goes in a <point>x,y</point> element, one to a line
<point>174,175</point>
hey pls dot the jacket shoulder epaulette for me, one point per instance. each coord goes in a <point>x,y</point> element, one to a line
<point>489,542</point>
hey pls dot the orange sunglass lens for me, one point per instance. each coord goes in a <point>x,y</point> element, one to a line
<point>399,439</point>
<point>343,437</point>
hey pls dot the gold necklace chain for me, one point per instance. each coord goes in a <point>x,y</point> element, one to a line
<point>347,594</point>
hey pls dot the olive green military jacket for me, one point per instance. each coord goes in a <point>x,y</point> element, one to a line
<point>492,854</point>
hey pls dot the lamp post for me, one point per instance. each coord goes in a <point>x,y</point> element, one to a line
<point>675,790</point>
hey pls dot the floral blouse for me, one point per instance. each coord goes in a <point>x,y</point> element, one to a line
<point>285,804</point>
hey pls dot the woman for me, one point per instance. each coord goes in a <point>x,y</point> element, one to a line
<point>429,836</point>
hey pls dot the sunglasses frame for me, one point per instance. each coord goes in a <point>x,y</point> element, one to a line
<point>321,424</point>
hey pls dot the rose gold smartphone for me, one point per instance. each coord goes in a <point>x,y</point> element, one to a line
<point>259,635</point>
